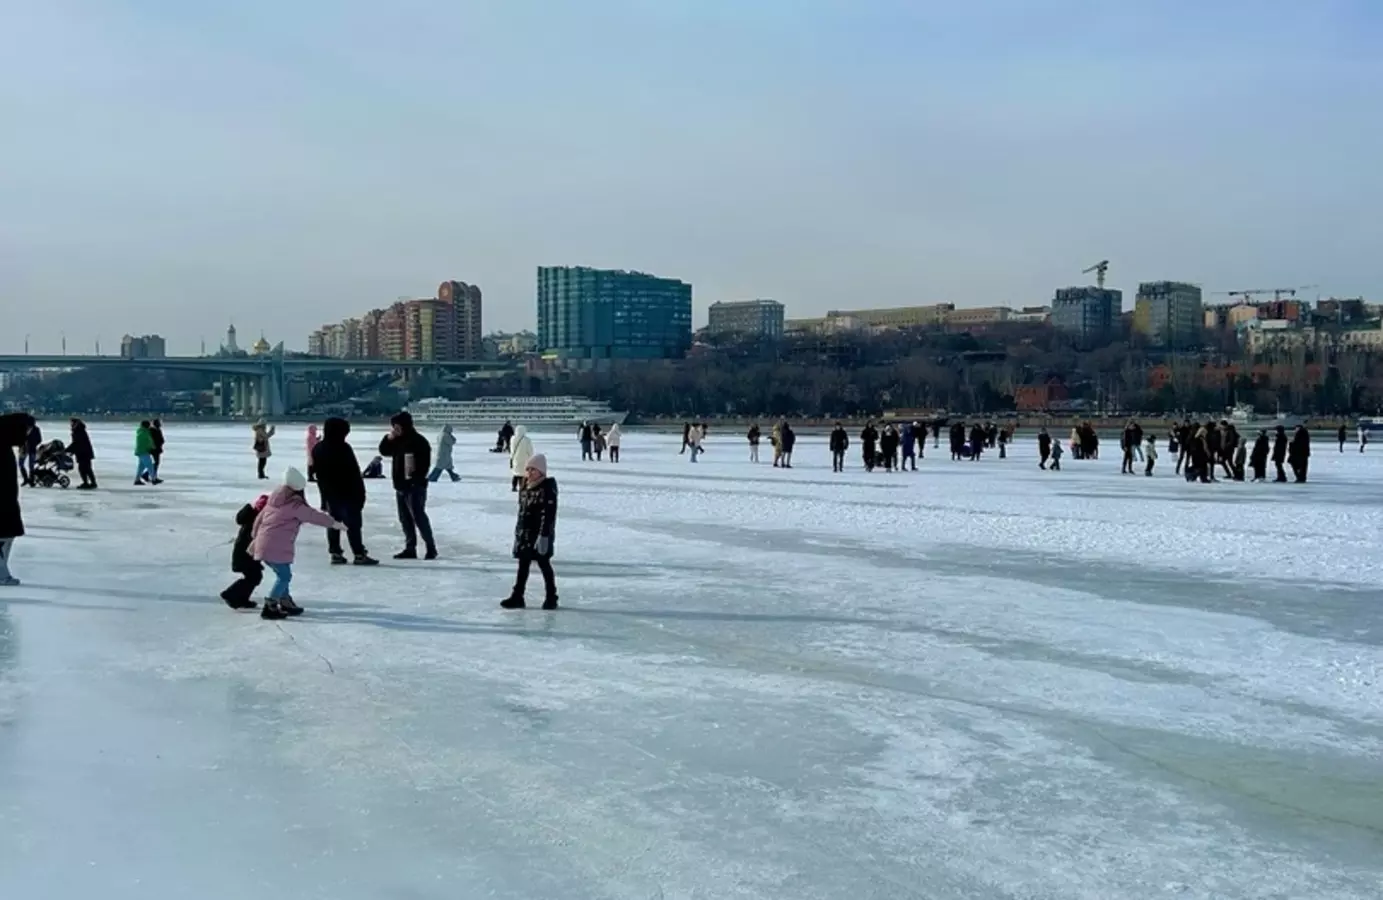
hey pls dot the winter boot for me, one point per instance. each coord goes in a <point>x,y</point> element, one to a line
<point>407,553</point>
<point>289,607</point>
<point>513,602</point>
<point>234,599</point>
<point>272,610</point>
<point>338,559</point>
<point>365,559</point>
<point>550,602</point>
<point>431,553</point>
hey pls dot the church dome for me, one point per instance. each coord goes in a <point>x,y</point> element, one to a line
<point>261,346</point>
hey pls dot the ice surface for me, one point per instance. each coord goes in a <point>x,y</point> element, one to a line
<point>979,681</point>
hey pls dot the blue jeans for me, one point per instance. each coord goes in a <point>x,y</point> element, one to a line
<point>437,473</point>
<point>145,467</point>
<point>695,452</point>
<point>283,576</point>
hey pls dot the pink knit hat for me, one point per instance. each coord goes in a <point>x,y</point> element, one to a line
<point>260,502</point>
<point>538,461</point>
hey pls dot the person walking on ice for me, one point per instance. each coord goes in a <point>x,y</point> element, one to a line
<point>534,533</point>
<point>312,440</point>
<point>445,442</point>
<point>262,432</point>
<point>520,453</point>
<point>14,433</point>
<point>274,538</point>
<point>1150,454</point>
<point>612,439</point>
<point>342,489</point>
<point>144,472</point>
<point>412,458</point>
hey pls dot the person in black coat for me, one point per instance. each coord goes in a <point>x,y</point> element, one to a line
<point>1299,453</point>
<point>534,533</point>
<point>869,439</point>
<point>1044,448</point>
<point>412,460</point>
<point>156,430</point>
<point>840,442</point>
<point>1258,459</point>
<point>1280,452</point>
<point>250,570</point>
<point>342,489</point>
<point>788,439</point>
<point>28,457</point>
<point>888,447</point>
<point>15,429</point>
<point>82,451</point>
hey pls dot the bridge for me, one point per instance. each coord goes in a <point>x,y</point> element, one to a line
<point>251,385</point>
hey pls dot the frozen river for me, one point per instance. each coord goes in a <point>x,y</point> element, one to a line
<point>979,681</point>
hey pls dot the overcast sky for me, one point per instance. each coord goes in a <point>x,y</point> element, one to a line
<point>169,166</point>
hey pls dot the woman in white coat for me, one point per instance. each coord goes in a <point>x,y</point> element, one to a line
<point>612,441</point>
<point>521,451</point>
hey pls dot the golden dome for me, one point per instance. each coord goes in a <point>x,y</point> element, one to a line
<point>261,347</point>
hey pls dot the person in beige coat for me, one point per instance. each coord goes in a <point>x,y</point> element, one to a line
<point>521,451</point>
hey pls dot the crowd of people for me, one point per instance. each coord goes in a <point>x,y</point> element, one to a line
<point>268,527</point>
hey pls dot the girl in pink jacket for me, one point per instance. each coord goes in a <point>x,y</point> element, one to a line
<point>275,537</point>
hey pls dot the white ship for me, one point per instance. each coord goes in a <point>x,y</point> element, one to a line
<point>1245,419</point>
<point>531,412</point>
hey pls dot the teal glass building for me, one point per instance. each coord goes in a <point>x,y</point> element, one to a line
<point>600,314</point>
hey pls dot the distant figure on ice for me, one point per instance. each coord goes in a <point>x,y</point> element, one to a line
<point>1299,453</point>
<point>1044,447</point>
<point>506,433</point>
<point>840,442</point>
<point>14,434</point>
<point>957,440</point>
<point>612,439</point>
<point>375,468</point>
<point>1363,438</point>
<point>1241,452</point>
<point>156,429</point>
<point>789,439</point>
<point>869,440</point>
<point>936,434</point>
<point>1126,445</point>
<point>519,455</point>
<point>274,539</point>
<point>311,444</point>
<point>535,532</point>
<point>910,446</point>
<point>583,434</point>
<point>1342,435</point>
<point>1074,444</point>
<point>775,438</point>
<point>262,432</point>
<point>445,442</point>
<point>28,451</point>
<point>1229,444</point>
<point>694,441</point>
<point>754,442</point>
<point>888,447</point>
<point>342,490</point>
<point>977,439</point>
<point>1150,454</point>
<point>144,472</point>
<point>686,435</point>
<point>1056,457</point>
<point>82,451</point>
<point>1258,460</point>
<point>1280,453</point>
<point>598,438</point>
<point>411,457</point>
<point>250,570</point>
<point>1004,435</point>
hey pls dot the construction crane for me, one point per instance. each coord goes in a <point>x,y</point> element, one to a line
<point>1099,268</point>
<point>1276,292</point>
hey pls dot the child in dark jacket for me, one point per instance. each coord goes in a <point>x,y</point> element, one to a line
<point>250,570</point>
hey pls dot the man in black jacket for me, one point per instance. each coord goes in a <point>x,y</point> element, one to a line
<point>342,488</point>
<point>412,460</point>
<point>83,453</point>
<point>14,429</point>
<point>840,442</point>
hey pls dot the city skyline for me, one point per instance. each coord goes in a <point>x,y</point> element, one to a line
<point>278,167</point>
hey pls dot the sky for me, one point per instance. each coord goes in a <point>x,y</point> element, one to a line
<point>172,167</point>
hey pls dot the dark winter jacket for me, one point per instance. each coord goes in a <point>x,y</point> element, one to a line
<point>869,437</point>
<point>787,438</point>
<point>157,432</point>
<point>338,472</point>
<point>1259,457</point>
<point>34,438</point>
<point>1280,445</point>
<point>754,435</point>
<point>410,452</point>
<point>888,442</point>
<point>1044,444</point>
<point>537,518</point>
<point>840,440</point>
<point>80,446</point>
<point>241,560</point>
<point>1300,449</point>
<point>14,429</point>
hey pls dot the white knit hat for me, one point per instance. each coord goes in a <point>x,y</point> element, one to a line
<point>538,461</point>
<point>295,480</point>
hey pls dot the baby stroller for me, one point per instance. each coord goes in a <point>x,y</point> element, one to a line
<point>51,465</point>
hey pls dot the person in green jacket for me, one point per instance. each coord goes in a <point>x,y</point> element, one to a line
<point>144,452</point>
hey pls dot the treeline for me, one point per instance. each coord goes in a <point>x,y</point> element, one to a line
<point>854,375</point>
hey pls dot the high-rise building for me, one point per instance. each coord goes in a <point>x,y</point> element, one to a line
<point>599,314</point>
<point>465,302</point>
<point>317,343</point>
<point>761,318</point>
<point>369,335</point>
<point>1086,313</point>
<point>149,346</point>
<point>1169,314</point>
<point>391,333</point>
<point>429,334</point>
